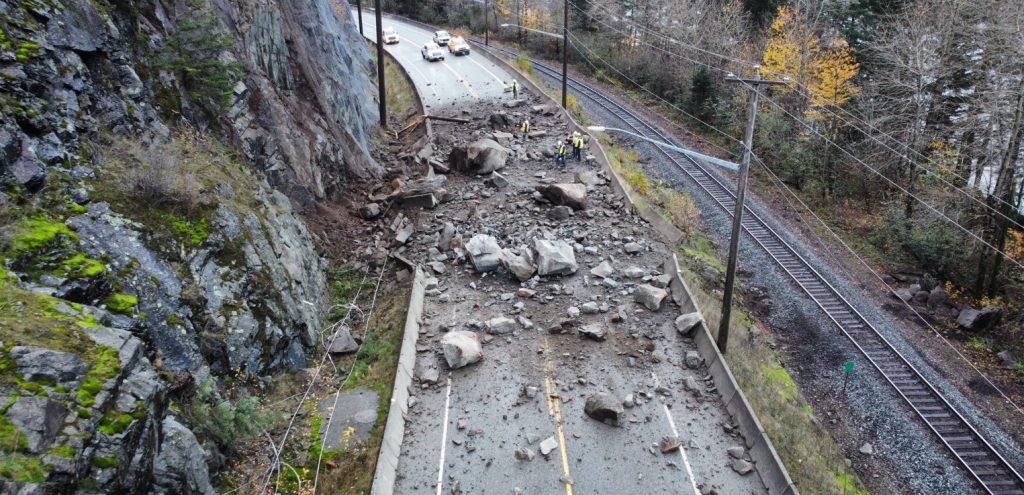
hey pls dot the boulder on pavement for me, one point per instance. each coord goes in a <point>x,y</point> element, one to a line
<point>650,296</point>
<point>571,195</point>
<point>522,266</point>
<point>554,257</point>
<point>461,348</point>
<point>560,213</point>
<point>484,253</point>
<point>479,157</point>
<point>604,407</point>
<point>500,119</point>
<point>687,324</point>
<point>496,181</point>
<point>500,325</point>
<point>974,320</point>
<point>593,331</point>
<point>604,270</point>
<point>693,360</point>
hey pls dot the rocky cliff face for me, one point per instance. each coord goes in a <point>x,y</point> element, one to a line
<point>141,256</point>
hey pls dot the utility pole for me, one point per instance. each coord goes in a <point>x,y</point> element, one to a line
<point>487,34</point>
<point>741,190</point>
<point>380,68</point>
<point>359,10</point>
<point>565,56</point>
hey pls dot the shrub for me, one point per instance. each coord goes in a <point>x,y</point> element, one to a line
<point>703,101</point>
<point>221,420</point>
<point>524,64</point>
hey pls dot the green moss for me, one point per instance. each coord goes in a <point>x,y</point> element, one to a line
<point>11,439</point>
<point>63,451</point>
<point>191,232</point>
<point>24,468</point>
<point>108,365</point>
<point>32,235</point>
<point>81,266</point>
<point>76,209</point>
<point>175,320</point>
<point>105,462</point>
<point>26,50</point>
<point>122,303</point>
<point>112,424</point>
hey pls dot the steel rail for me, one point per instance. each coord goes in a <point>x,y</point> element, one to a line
<point>995,474</point>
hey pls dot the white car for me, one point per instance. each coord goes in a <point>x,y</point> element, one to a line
<point>442,37</point>
<point>458,46</point>
<point>432,52</point>
<point>390,36</point>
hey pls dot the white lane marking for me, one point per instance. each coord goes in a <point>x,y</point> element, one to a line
<point>675,433</point>
<point>461,79</point>
<point>444,436</point>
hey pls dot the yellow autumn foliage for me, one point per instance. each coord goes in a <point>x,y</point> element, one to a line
<point>834,70</point>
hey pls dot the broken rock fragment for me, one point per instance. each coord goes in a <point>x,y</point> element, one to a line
<point>650,296</point>
<point>522,265</point>
<point>554,258</point>
<point>461,348</point>
<point>688,323</point>
<point>593,332</point>
<point>479,157</point>
<point>604,407</point>
<point>603,270</point>
<point>571,195</point>
<point>500,325</point>
<point>484,252</point>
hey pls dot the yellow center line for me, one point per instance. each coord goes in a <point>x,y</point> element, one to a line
<point>555,410</point>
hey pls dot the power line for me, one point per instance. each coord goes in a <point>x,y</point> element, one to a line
<point>803,90</point>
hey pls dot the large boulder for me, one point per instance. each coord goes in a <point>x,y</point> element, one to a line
<point>688,323</point>
<point>604,407</point>
<point>521,265</point>
<point>484,252</point>
<point>650,296</point>
<point>461,348</point>
<point>937,298</point>
<point>479,157</point>
<point>571,195</point>
<point>975,320</point>
<point>554,258</point>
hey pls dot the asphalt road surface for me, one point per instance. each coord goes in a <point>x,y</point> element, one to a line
<point>452,81</point>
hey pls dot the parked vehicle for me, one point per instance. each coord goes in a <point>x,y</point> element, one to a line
<point>442,37</point>
<point>432,52</point>
<point>458,46</point>
<point>390,36</point>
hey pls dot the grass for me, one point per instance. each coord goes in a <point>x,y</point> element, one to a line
<point>977,344</point>
<point>24,468</point>
<point>344,282</point>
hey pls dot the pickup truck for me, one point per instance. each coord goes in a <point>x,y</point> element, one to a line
<point>432,52</point>
<point>442,37</point>
<point>458,46</point>
<point>390,36</point>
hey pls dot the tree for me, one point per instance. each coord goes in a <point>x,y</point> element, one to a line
<point>832,87</point>
<point>703,101</point>
<point>791,52</point>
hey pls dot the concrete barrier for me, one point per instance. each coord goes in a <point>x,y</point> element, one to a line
<point>770,468</point>
<point>386,474</point>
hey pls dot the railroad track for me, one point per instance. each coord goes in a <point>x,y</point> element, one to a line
<point>981,459</point>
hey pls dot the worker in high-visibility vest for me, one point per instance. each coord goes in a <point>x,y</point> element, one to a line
<point>560,155</point>
<point>525,129</point>
<point>515,89</point>
<point>577,146</point>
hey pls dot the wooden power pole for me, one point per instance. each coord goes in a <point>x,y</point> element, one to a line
<point>382,93</point>
<point>754,84</point>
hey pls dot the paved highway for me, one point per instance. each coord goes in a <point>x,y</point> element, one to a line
<point>448,82</point>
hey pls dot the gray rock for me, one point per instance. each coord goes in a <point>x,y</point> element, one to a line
<point>589,179</point>
<point>687,324</point>
<point>691,385</point>
<point>937,298</point>
<point>444,243</point>
<point>560,213</point>
<point>180,462</point>
<point>461,348</point>
<point>343,343</point>
<point>593,331</point>
<point>500,119</point>
<point>522,266</point>
<point>479,158</point>
<point>28,172</point>
<point>573,312</point>
<point>650,296</point>
<point>693,360</point>
<point>634,272</point>
<point>741,466</point>
<point>37,418</point>
<point>603,270</point>
<point>1007,358</point>
<point>604,407</point>
<point>974,320</point>
<point>736,451</point>
<point>904,294</point>
<point>632,248</point>
<point>370,211</point>
<point>589,308</point>
<point>867,449</point>
<point>554,258</point>
<point>662,281</point>
<point>496,181</point>
<point>548,445</point>
<point>484,252</point>
<point>921,296</point>
<point>516,103</point>
<point>38,364</point>
<point>571,195</point>
<point>524,454</point>
<point>500,325</point>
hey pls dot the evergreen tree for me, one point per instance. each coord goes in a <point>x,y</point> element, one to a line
<point>703,101</point>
